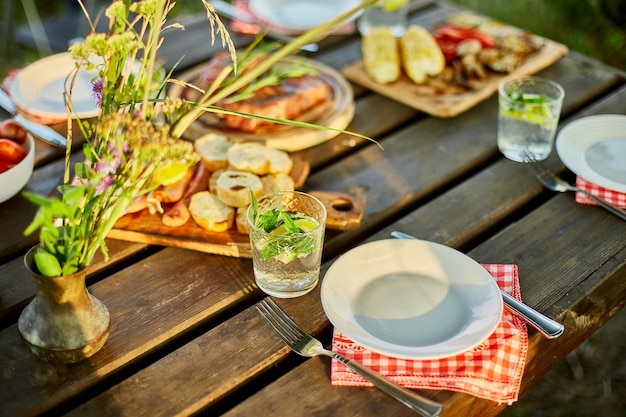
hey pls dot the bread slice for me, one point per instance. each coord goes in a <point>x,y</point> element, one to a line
<point>213,148</point>
<point>211,213</point>
<point>280,161</point>
<point>213,180</point>
<point>241,221</point>
<point>233,187</point>
<point>249,156</point>
<point>277,182</point>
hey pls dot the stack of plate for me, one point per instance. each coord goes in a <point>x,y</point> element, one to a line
<point>296,16</point>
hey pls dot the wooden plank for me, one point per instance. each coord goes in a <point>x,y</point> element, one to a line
<point>252,349</point>
<point>530,243</point>
<point>18,286</point>
<point>152,303</point>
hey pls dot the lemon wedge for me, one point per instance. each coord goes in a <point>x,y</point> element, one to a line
<point>170,173</point>
<point>392,5</point>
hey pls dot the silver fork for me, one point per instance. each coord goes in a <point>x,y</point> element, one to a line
<point>306,345</point>
<point>554,183</point>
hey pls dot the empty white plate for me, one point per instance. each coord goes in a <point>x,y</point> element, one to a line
<point>411,299</point>
<point>38,89</point>
<point>298,15</point>
<point>594,147</point>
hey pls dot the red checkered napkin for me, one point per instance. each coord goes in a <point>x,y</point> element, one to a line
<point>614,197</point>
<point>243,7</point>
<point>493,370</point>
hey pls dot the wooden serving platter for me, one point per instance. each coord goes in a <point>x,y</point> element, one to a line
<point>450,105</point>
<point>344,213</point>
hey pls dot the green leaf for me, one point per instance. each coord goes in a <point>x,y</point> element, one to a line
<point>268,220</point>
<point>47,264</point>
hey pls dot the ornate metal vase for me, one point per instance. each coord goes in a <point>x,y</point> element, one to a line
<point>64,323</point>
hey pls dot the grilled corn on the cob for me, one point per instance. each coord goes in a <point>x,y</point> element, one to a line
<point>421,56</point>
<point>380,55</point>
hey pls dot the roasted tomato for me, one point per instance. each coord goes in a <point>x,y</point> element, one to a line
<point>448,36</point>
<point>11,152</point>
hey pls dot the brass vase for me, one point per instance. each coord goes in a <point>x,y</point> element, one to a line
<point>64,323</point>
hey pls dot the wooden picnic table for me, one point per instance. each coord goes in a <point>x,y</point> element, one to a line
<point>186,337</point>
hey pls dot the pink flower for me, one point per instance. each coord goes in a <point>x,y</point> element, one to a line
<point>98,87</point>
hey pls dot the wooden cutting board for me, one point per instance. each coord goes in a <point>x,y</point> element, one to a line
<point>450,105</point>
<point>344,213</point>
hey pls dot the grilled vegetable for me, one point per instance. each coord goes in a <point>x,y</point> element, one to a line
<point>421,56</point>
<point>380,55</point>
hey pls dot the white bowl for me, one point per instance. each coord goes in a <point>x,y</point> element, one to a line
<point>13,180</point>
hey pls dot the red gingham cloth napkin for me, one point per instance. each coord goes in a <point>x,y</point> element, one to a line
<point>493,370</point>
<point>614,197</point>
<point>242,27</point>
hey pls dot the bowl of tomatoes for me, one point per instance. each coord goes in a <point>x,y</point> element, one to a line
<point>17,158</point>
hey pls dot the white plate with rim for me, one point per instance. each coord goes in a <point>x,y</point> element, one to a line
<point>594,147</point>
<point>298,15</point>
<point>37,90</point>
<point>411,299</point>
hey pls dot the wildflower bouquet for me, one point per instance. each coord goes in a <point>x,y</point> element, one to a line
<point>133,146</point>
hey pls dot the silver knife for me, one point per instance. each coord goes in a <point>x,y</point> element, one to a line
<point>545,325</point>
<point>229,11</point>
<point>45,133</point>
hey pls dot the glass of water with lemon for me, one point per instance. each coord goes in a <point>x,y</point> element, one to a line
<point>529,110</point>
<point>287,235</point>
<point>389,13</point>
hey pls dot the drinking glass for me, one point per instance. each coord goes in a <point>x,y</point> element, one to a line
<point>376,15</point>
<point>529,110</point>
<point>287,264</point>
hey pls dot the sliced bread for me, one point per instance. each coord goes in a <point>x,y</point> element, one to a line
<point>211,213</point>
<point>233,187</point>
<point>214,150</point>
<point>279,161</point>
<point>277,182</point>
<point>249,156</point>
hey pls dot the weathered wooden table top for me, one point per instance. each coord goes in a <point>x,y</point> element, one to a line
<point>185,336</point>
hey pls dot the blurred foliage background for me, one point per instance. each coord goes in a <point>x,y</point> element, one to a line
<point>596,28</point>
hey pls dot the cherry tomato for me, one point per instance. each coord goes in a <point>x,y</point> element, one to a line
<point>11,152</point>
<point>5,166</point>
<point>12,130</point>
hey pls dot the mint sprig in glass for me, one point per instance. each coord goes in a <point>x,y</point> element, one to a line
<point>286,238</point>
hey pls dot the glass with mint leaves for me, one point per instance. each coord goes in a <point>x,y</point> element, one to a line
<point>529,110</point>
<point>287,237</point>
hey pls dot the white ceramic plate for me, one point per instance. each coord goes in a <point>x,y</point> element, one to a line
<point>38,90</point>
<point>594,147</point>
<point>411,299</point>
<point>298,15</point>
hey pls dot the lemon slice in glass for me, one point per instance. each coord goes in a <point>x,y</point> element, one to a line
<point>532,108</point>
<point>391,5</point>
